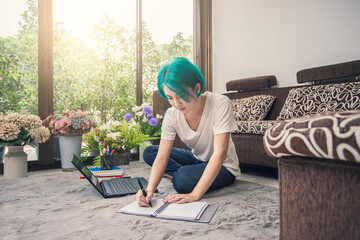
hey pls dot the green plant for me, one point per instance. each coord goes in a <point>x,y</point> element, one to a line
<point>121,136</point>
<point>90,144</point>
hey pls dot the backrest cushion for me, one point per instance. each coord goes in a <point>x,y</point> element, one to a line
<point>252,108</point>
<point>321,98</point>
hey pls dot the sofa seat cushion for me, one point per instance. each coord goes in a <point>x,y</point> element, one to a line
<point>334,135</point>
<point>252,108</point>
<point>321,98</point>
<point>254,127</point>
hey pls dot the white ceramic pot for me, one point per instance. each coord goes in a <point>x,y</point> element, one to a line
<point>15,162</point>
<point>69,145</point>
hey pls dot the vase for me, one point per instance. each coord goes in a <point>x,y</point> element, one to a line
<point>15,162</point>
<point>121,159</point>
<point>69,144</point>
<point>141,151</point>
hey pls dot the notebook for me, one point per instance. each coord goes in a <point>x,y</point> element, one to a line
<point>114,187</point>
<point>194,211</point>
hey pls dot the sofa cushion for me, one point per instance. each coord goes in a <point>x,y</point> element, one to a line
<point>250,84</point>
<point>252,108</point>
<point>334,135</point>
<point>254,127</point>
<point>329,72</point>
<point>321,98</point>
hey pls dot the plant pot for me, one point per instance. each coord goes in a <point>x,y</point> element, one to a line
<point>69,145</point>
<point>93,153</point>
<point>15,162</point>
<point>121,159</point>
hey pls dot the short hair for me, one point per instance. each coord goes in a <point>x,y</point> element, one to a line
<point>179,74</point>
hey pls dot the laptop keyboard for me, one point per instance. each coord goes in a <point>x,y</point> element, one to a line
<point>122,186</point>
<point>125,185</point>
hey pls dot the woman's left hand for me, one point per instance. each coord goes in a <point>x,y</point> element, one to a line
<point>179,198</point>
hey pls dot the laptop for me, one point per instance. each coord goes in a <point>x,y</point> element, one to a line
<point>115,187</point>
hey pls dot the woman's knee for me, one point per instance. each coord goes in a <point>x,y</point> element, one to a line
<point>183,181</point>
<point>150,153</point>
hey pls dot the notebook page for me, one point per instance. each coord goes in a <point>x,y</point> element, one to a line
<point>133,208</point>
<point>185,211</point>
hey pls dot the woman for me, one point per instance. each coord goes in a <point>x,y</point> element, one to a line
<point>203,121</point>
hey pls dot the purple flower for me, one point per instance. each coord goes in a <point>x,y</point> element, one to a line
<point>149,116</point>
<point>127,117</point>
<point>153,122</point>
<point>147,110</point>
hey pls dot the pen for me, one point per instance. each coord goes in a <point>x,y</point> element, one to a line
<point>143,191</point>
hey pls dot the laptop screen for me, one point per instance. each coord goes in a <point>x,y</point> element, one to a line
<point>85,171</point>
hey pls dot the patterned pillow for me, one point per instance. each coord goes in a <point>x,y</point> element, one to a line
<point>254,127</point>
<point>321,98</point>
<point>252,108</point>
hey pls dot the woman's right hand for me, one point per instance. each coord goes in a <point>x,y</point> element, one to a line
<point>143,201</point>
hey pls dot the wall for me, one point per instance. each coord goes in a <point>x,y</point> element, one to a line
<point>281,37</point>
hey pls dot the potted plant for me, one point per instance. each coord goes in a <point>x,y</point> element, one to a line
<point>69,126</point>
<point>16,131</point>
<point>149,124</point>
<point>90,147</point>
<point>120,136</point>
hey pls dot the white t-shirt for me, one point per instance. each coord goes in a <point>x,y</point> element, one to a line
<point>217,118</point>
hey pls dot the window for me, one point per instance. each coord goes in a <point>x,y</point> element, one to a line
<point>167,33</point>
<point>88,59</point>
<point>19,60</point>
<point>94,57</point>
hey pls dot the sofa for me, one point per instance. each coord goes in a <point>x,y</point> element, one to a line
<point>318,159</point>
<point>258,103</point>
<point>319,175</point>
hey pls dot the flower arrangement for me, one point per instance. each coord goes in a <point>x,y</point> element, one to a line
<point>69,122</point>
<point>149,124</point>
<point>120,136</point>
<point>19,130</point>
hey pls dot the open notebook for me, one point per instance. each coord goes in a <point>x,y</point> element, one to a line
<point>194,211</point>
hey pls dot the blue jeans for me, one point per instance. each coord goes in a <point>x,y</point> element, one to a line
<point>187,170</point>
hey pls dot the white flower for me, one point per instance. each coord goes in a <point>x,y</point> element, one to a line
<point>104,127</point>
<point>139,114</point>
<point>158,116</point>
<point>136,109</point>
<point>145,104</point>
<point>116,123</point>
<point>113,135</point>
<point>145,119</point>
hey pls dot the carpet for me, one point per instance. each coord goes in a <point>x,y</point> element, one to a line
<point>52,204</point>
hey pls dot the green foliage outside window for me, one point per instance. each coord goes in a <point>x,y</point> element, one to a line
<point>101,82</point>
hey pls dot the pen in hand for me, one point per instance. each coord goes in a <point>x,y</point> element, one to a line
<point>143,191</point>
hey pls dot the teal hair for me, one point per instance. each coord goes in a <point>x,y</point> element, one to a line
<point>179,74</point>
